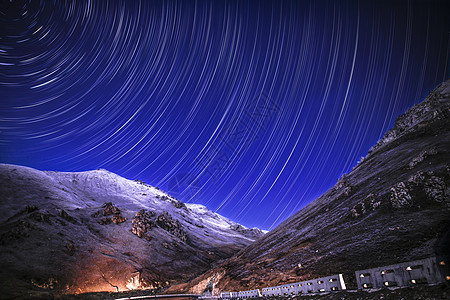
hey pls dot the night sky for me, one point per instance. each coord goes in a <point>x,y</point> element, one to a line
<point>252,108</point>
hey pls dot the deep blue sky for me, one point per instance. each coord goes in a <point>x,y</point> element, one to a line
<point>251,108</point>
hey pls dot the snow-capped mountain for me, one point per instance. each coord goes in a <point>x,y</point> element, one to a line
<point>96,231</point>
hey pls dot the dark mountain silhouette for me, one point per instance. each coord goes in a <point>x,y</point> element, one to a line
<point>392,207</point>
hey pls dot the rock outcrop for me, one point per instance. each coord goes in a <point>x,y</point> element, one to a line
<point>108,210</point>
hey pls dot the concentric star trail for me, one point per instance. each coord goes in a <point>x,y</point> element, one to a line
<point>253,108</point>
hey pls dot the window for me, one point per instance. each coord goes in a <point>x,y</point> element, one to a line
<point>414,267</point>
<point>419,281</point>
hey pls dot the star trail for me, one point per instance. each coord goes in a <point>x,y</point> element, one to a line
<point>252,108</point>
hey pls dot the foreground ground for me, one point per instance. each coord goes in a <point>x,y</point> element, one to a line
<point>434,292</point>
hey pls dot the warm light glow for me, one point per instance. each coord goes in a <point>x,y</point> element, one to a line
<point>133,283</point>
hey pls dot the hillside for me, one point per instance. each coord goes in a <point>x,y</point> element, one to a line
<point>96,231</point>
<point>392,207</point>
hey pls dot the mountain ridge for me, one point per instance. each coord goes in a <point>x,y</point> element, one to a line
<point>113,234</point>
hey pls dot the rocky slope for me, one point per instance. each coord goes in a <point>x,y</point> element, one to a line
<point>96,231</point>
<point>392,207</point>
